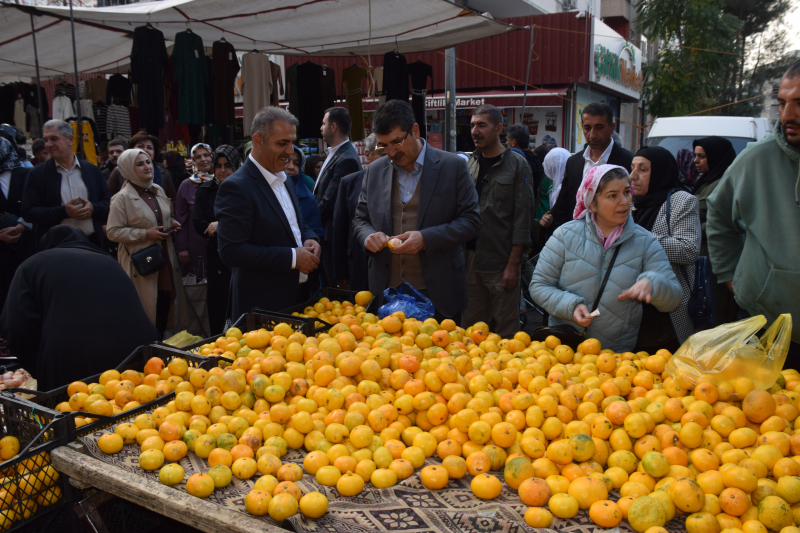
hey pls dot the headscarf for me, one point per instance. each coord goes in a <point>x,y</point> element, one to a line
<point>228,152</point>
<point>720,155</point>
<point>311,162</point>
<point>126,164</point>
<point>555,164</point>
<point>199,176</point>
<point>9,159</point>
<point>663,178</point>
<point>248,147</point>
<point>585,197</point>
<point>686,167</point>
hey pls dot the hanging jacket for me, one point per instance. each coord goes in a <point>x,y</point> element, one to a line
<point>567,274</point>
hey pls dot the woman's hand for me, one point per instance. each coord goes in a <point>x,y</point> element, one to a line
<point>581,316</point>
<point>211,230</point>
<point>155,234</point>
<point>184,258</point>
<point>641,291</point>
<point>546,220</point>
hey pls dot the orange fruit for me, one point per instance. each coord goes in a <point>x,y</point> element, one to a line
<point>434,477</point>
<point>534,492</point>
<point>605,513</point>
<point>220,456</point>
<point>517,470</point>
<point>175,451</point>
<point>486,486</point>
<point>282,506</point>
<point>171,474</point>
<point>109,443</point>
<point>314,504</point>
<point>257,502</point>
<point>200,485</point>
<point>758,406</point>
<point>154,366</point>
<point>588,490</point>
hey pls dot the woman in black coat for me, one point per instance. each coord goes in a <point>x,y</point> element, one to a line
<point>226,161</point>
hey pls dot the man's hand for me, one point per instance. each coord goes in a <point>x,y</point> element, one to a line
<point>511,276</point>
<point>344,284</point>
<point>376,242</point>
<point>211,230</point>
<point>413,243</point>
<point>88,208</point>
<point>581,316</point>
<point>184,258</point>
<point>546,220</point>
<point>729,284</point>
<point>315,247</point>
<point>306,260</point>
<point>73,210</point>
<point>641,291</point>
<point>11,235</point>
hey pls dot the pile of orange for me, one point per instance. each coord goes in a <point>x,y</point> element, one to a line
<point>27,486</point>
<point>371,400</point>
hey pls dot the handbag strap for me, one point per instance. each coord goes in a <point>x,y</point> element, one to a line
<point>605,279</point>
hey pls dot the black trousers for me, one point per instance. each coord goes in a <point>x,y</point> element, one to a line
<point>438,314</point>
<point>163,304</point>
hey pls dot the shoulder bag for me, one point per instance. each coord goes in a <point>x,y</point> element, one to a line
<point>701,297</point>
<point>148,261</point>
<point>568,334</point>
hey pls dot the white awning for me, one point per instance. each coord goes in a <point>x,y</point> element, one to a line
<point>288,27</point>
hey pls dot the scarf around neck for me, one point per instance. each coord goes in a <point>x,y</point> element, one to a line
<point>199,176</point>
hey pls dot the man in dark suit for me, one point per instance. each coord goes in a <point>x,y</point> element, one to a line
<point>342,160</point>
<point>349,261</point>
<point>261,232</point>
<point>424,197</point>
<point>597,121</point>
<point>64,190</point>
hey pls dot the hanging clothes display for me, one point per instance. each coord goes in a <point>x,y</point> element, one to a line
<point>31,99</point>
<point>85,108</point>
<point>329,87</point>
<point>89,152</point>
<point>118,122</point>
<point>64,88</point>
<point>309,85</point>
<point>191,74</point>
<point>256,86</point>
<point>133,117</point>
<point>224,68</point>
<point>395,76</point>
<point>100,109</point>
<point>379,92</point>
<point>148,68</point>
<point>62,108</point>
<point>420,72</point>
<point>96,88</point>
<point>277,82</point>
<point>20,117</point>
<point>209,94</point>
<point>351,92</point>
<point>34,125</point>
<point>291,90</point>
<point>118,91</point>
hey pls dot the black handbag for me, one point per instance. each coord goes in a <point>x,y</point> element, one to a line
<point>148,261</point>
<point>567,334</point>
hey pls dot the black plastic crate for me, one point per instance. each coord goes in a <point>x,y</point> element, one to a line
<point>259,318</point>
<point>47,401</point>
<point>332,294</point>
<point>40,489</point>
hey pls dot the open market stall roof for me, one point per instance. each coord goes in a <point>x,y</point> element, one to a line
<point>289,27</point>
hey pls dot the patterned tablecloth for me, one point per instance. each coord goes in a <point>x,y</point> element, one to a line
<point>408,507</point>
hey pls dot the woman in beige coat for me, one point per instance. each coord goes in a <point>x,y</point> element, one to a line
<point>138,214</point>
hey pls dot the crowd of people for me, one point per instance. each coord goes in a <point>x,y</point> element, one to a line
<point>604,240</point>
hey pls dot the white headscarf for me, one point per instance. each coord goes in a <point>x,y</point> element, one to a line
<point>555,164</point>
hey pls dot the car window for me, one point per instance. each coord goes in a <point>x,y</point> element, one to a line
<point>673,144</point>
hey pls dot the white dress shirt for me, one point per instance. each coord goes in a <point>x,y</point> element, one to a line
<point>72,186</point>
<point>278,184</point>
<point>589,164</point>
<point>327,160</point>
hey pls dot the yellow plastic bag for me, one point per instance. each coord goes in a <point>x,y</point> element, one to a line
<point>733,357</point>
<point>184,338</point>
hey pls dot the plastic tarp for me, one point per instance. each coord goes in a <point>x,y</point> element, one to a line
<point>288,27</point>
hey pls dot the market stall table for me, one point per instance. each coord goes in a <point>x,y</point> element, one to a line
<point>407,507</point>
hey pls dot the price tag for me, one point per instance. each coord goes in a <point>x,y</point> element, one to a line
<point>196,56</point>
<point>230,56</point>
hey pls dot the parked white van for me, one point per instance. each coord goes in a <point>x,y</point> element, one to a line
<point>675,133</point>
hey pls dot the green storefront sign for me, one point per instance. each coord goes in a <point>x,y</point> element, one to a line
<point>612,66</point>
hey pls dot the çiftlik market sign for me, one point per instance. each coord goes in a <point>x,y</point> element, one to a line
<point>616,68</point>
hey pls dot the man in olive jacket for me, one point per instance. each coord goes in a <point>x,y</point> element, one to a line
<point>502,181</point>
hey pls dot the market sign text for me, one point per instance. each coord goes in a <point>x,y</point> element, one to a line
<point>617,69</point>
<point>460,102</point>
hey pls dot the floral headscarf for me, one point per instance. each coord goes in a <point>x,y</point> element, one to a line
<point>9,159</point>
<point>585,197</point>
<point>197,175</point>
<point>686,167</point>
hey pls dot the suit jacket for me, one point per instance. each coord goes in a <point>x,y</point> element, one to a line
<point>448,216</point>
<point>345,161</point>
<point>573,176</point>
<point>256,241</point>
<point>41,201</point>
<point>12,255</point>
<point>349,260</point>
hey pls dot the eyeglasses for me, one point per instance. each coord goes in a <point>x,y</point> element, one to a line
<point>394,145</point>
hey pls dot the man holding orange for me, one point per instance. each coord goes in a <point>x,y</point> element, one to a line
<point>423,197</point>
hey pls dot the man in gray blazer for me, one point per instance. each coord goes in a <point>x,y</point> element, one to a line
<point>424,197</point>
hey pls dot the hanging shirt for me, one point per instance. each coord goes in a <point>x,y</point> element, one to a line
<point>72,186</point>
<point>62,108</point>
<point>277,183</point>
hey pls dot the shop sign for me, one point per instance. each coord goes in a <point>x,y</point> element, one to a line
<point>460,102</point>
<point>620,67</point>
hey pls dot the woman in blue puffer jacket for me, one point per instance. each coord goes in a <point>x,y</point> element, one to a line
<point>574,261</point>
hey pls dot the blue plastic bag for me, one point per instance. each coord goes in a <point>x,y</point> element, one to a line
<point>407,299</point>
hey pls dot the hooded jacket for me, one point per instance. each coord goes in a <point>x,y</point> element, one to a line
<point>753,228</point>
<point>567,274</point>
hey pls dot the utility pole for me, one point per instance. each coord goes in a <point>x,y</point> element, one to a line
<point>450,100</point>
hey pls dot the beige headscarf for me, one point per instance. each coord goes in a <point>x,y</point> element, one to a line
<point>127,167</point>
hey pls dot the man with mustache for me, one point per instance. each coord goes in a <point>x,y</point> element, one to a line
<point>502,180</point>
<point>425,198</point>
<point>753,222</point>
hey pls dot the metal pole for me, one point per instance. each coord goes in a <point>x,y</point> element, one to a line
<point>38,82</point>
<point>527,75</point>
<point>77,83</point>
<point>450,100</point>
